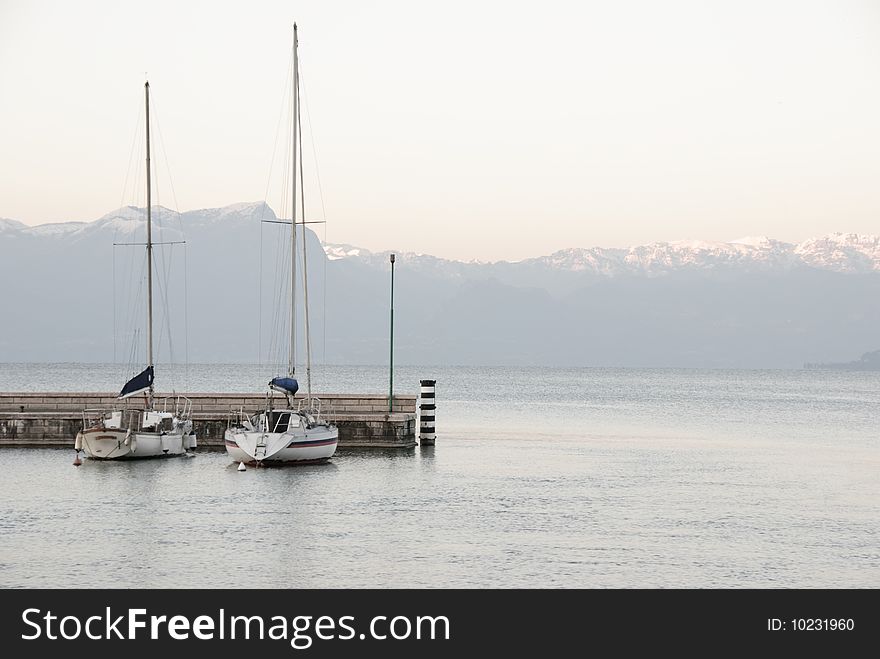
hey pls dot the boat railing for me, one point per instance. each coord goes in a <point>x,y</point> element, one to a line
<point>313,407</point>
<point>93,417</point>
<point>238,418</point>
<point>234,417</point>
<point>129,418</point>
<point>181,406</point>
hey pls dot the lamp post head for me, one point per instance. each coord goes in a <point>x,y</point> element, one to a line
<point>392,258</point>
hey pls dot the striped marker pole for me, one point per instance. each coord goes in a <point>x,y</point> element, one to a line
<point>427,409</point>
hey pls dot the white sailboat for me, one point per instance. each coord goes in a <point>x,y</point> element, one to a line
<point>288,434</point>
<point>157,429</point>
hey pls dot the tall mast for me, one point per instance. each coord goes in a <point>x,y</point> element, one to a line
<point>305,267</point>
<point>291,364</point>
<point>149,246</point>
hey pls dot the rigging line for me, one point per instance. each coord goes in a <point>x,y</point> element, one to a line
<point>132,319</point>
<point>124,323</point>
<point>136,274</point>
<point>269,354</point>
<point>131,356</point>
<point>138,314</point>
<point>279,320</point>
<point>273,323</point>
<point>314,149</point>
<point>323,214</point>
<point>260,303</point>
<point>284,317</point>
<point>164,285</point>
<point>157,255</point>
<point>163,263</point>
<point>279,287</point>
<point>125,219</point>
<point>163,279</point>
<point>298,128</point>
<point>166,292</point>
<point>284,90</point>
<point>159,288</point>
<point>185,323</point>
<point>294,109</point>
<point>166,311</point>
<point>324,305</point>
<point>294,117</point>
<point>165,157</point>
<point>135,163</point>
<point>155,242</point>
<point>136,304</point>
<point>134,141</point>
<point>159,261</point>
<point>278,128</point>
<point>168,170</point>
<point>113,258</point>
<point>183,237</point>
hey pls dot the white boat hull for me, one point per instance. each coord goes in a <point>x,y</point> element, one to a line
<point>316,444</point>
<point>118,444</point>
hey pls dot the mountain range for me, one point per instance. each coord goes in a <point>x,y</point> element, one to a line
<point>73,291</point>
<point>836,252</point>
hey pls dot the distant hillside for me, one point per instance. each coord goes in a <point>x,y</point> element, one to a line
<point>838,252</point>
<point>68,294</point>
<point>870,361</point>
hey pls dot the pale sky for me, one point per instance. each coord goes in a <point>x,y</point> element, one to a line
<point>471,130</point>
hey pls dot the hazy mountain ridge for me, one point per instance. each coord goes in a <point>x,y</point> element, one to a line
<point>130,219</point>
<point>755,302</point>
<point>870,361</point>
<point>836,252</point>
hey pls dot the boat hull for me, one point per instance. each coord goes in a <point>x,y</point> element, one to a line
<point>315,446</point>
<point>118,444</point>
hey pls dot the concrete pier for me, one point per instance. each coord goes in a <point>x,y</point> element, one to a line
<point>53,419</point>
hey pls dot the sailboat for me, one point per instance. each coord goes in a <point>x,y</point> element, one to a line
<point>155,430</point>
<point>290,433</point>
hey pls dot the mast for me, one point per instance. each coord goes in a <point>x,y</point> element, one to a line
<point>291,364</point>
<point>305,267</point>
<point>149,247</point>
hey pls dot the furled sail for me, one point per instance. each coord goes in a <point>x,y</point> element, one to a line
<point>140,382</point>
<point>284,385</point>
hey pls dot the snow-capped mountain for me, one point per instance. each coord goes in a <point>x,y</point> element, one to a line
<point>130,220</point>
<point>841,252</point>
<point>70,294</point>
<point>837,252</point>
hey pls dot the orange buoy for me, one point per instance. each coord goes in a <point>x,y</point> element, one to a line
<point>76,461</point>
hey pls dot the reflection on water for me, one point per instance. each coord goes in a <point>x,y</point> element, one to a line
<point>572,478</point>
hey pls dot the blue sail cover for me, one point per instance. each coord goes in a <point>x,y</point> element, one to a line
<point>284,385</point>
<point>140,382</point>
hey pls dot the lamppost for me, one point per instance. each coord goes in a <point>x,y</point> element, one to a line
<point>391,346</point>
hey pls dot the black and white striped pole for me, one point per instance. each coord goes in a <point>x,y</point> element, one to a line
<point>427,410</point>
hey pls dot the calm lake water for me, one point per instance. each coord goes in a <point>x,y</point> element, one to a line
<point>617,478</point>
